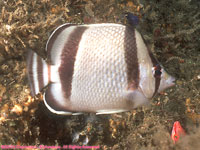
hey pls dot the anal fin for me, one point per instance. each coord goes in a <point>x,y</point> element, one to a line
<point>55,100</point>
<point>110,111</point>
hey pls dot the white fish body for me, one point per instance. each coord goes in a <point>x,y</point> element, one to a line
<point>101,68</point>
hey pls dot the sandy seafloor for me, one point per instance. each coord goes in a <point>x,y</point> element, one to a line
<point>172,30</point>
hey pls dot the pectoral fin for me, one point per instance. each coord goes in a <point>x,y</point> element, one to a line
<point>135,98</point>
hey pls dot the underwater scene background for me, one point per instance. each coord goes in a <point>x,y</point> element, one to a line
<point>170,28</point>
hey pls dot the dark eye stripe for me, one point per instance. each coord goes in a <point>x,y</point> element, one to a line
<point>157,85</point>
<point>158,72</point>
<point>157,76</point>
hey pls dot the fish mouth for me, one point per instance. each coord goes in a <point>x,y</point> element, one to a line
<point>171,81</point>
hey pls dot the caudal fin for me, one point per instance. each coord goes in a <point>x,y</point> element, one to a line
<point>38,72</point>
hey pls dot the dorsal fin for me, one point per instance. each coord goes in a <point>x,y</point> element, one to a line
<point>56,42</point>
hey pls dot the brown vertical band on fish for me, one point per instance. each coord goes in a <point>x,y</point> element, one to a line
<point>131,59</point>
<point>68,58</point>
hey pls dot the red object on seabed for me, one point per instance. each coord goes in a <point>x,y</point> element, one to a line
<point>177,132</point>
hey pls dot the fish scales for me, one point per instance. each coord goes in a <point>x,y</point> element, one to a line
<point>107,77</point>
<point>101,68</point>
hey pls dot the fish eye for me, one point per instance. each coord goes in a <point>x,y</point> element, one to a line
<point>157,71</point>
